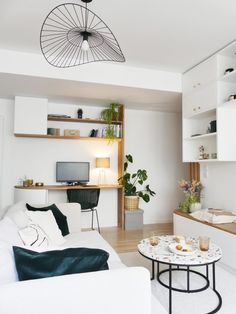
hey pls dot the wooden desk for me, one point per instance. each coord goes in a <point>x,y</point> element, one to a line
<point>44,189</point>
<point>66,187</point>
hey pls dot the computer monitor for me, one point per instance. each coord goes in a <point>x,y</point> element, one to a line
<point>72,172</point>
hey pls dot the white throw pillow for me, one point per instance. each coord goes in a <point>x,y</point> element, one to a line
<point>34,236</point>
<point>18,215</point>
<point>8,272</point>
<point>9,232</point>
<point>48,223</point>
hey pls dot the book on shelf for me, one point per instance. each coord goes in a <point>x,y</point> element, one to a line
<point>55,115</point>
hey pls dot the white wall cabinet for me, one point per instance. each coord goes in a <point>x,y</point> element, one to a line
<point>200,100</point>
<point>30,115</point>
<point>206,101</point>
<point>200,76</point>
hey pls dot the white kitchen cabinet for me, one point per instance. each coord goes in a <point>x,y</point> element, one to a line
<point>200,76</point>
<point>30,115</point>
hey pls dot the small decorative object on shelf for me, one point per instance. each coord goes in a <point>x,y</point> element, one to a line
<point>213,155</point>
<point>213,127</point>
<point>93,133</point>
<point>232,97</point>
<point>201,150</point>
<point>70,132</point>
<point>229,70</point>
<point>192,190</point>
<point>53,131</point>
<point>26,182</point>
<point>130,183</point>
<point>39,184</point>
<point>80,113</point>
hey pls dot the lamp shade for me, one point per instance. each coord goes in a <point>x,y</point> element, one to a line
<point>103,162</point>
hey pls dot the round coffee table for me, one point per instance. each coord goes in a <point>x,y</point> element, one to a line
<point>161,254</point>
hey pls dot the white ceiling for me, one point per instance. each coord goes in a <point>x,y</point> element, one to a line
<point>169,35</point>
<point>71,92</point>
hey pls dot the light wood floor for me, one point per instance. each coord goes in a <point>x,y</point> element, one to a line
<point>126,241</point>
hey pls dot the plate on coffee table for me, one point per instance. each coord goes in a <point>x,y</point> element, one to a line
<point>181,249</point>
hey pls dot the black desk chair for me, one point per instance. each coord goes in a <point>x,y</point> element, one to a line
<point>88,200</point>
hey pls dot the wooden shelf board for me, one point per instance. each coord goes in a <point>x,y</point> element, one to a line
<point>201,136</point>
<point>81,138</point>
<point>82,120</point>
<point>66,187</point>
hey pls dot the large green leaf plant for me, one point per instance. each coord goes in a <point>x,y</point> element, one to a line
<point>133,183</point>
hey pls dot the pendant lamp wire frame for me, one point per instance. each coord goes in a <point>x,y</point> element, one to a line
<point>64,30</point>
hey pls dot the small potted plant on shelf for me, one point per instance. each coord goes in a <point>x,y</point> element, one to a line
<point>192,190</point>
<point>108,115</point>
<point>133,186</point>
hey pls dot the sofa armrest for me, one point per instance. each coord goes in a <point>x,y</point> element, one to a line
<point>125,290</point>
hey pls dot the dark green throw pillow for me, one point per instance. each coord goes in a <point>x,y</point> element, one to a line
<point>35,265</point>
<point>60,218</point>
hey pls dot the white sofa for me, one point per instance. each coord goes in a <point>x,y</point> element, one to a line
<point>118,290</point>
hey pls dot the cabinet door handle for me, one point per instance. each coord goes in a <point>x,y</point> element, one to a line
<point>194,109</point>
<point>199,108</point>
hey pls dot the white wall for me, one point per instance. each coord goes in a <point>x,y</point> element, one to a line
<point>1,157</point>
<point>154,141</point>
<point>153,138</point>
<point>219,181</point>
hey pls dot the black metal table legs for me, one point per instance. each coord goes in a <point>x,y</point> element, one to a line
<point>188,289</point>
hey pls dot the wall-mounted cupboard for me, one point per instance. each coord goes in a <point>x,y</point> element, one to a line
<point>209,109</point>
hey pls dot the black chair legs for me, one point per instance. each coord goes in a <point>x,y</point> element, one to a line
<point>95,210</point>
<point>97,220</point>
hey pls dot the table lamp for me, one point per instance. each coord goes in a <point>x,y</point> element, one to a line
<point>102,163</point>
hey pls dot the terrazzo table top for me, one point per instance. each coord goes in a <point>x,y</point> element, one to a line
<point>162,253</point>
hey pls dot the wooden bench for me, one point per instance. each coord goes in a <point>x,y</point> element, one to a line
<point>223,235</point>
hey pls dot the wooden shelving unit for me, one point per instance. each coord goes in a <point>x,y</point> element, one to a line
<point>22,133</point>
<point>95,121</point>
<point>81,138</point>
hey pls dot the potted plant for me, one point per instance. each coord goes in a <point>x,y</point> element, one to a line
<point>108,115</point>
<point>192,190</point>
<point>133,186</point>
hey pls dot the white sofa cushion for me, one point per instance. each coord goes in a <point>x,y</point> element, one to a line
<point>9,232</point>
<point>47,222</point>
<point>34,236</point>
<point>17,214</point>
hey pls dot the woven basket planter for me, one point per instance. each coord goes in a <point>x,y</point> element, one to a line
<point>131,202</point>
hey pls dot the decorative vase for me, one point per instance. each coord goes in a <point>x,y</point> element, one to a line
<point>194,207</point>
<point>131,202</point>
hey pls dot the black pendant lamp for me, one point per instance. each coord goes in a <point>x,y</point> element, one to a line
<point>72,35</point>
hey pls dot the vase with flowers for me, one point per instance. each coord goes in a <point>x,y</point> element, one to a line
<point>192,190</point>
